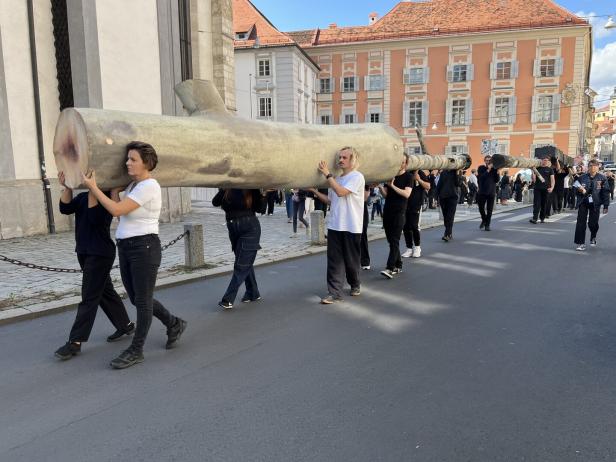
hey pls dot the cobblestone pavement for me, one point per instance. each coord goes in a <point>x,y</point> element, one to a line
<point>24,287</point>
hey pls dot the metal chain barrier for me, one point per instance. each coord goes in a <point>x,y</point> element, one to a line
<point>14,261</point>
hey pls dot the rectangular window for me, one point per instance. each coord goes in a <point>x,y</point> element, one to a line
<point>264,68</point>
<point>375,118</point>
<point>413,151</point>
<point>265,107</point>
<point>460,73</point>
<point>547,68</point>
<point>458,112</point>
<point>503,70</point>
<point>457,149</point>
<point>185,40</point>
<point>374,82</point>
<point>325,85</point>
<point>326,119</point>
<point>414,75</point>
<point>349,118</point>
<point>348,84</point>
<point>543,111</point>
<point>501,111</point>
<point>415,114</point>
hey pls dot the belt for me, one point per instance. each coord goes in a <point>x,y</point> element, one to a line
<point>243,217</point>
<point>135,239</point>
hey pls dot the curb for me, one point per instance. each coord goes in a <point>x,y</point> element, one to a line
<point>69,303</point>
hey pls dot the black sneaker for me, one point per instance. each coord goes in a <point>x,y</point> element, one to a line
<point>487,228</point>
<point>533,221</point>
<point>246,299</point>
<point>396,271</point>
<point>127,358</point>
<point>175,332</point>
<point>389,274</point>
<point>225,304</point>
<point>593,242</point>
<point>355,291</point>
<point>482,225</point>
<point>118,334</point>
<point>68,350</point>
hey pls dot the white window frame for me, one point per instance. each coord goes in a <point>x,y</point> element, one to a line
<point>458,112</point>
<point>264,67</point>
<point>416,75</point>
<point>372,115</point>
<point>414,110</point>
<point>544,110</point>
<point>374,82</point>
<point>327,117</point>
<point>329,86</point>
<point>413,150</point>
<point>454,149</point>
<point>349,118</point>
<point>349,84</point>
<point>265,107</point>
<point>543,67</point>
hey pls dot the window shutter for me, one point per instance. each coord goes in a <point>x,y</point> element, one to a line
<point>447,150</point>
<point>537,68</point>
<point>405,114</point>
<point>406,77</point>
<point>425,113</point>
<point>449,74</point>
<point>341,84</point>
<point>470,72</point>
<point>426,75</point>
<point>448,113</point>
<point>469,112</point>
<point>515,69</point>
<point>367,83</point>
<point>492,70</point>
<point>356,79</point>
<point>533,111</point>
<point>512,109</point>
<point>559,66</point>
<point>491,111</point>
<point>555,107</point>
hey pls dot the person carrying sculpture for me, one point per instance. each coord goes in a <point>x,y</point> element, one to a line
<point>446,192</point>
<point>364,251</point>
<point>241,207</point>
<point>95,254</point>
<point>558,196</point>
<point>396,194</point>
<point>487,178</point>
<point>139,247</point>
<point>412,228</point>
<point>346,199</point>
<point>543,187</point>
<point>593,191</point>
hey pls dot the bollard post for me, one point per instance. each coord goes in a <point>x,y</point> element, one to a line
<point>193,245</point>
<point>317,227</point>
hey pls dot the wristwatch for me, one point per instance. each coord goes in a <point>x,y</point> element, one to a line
<point>328,176</point>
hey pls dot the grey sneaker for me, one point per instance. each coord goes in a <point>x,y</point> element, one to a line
<point>127,358</point>
<point>355,291</point>
<point>68,350</point>
<point>389,274</point>
<point>329,299</point>
<point>175,332</point>
<point>580,248</point>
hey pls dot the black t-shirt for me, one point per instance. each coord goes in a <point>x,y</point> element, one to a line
<point>394,202</point>
<point>417,194</point>
<point>559,180</point>
<point>234,203</point>
<point>91,227</point>
<point>546,173</point>
<point>486,181</point>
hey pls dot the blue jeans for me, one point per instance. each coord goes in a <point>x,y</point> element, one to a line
<point>288,203</point>
<point>139,261</point>
<point>244,234</point>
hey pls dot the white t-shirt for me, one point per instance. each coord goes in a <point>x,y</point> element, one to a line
<point>143,220</point>
<point>347,212</point>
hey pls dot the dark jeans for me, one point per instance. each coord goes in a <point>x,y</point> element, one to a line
<point>298,214</point>
<point>244,234</point>
<point>587,213</point>
<point>486,205</point>
<point>569,198</point>
<point>139,261</point>
<point>412,235</point>
<point>271,200</point>
<point>364,252</point>
<point>393,222</point>
<point>472,194</point>
<point>540,203</point>
<point>288,203</point>
<point>558,196</point>
<point>448,207</point>
<point>343,255</point>
<point>376,208</point>
<point>97,289</point>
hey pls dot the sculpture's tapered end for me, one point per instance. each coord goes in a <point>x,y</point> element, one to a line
<point>200,97</point>
<point>70,147</point>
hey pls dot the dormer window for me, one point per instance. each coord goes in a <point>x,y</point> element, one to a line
<point>241,35</point>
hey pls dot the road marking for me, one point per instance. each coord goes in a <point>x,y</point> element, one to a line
<point>469,260</point>
<point>522,217</point>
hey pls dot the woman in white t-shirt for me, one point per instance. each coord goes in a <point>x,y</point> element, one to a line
<point>139,247</point>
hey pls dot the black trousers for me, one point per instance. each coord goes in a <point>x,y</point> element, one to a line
<point>412,234</point>
<point>472,194</point>
<point>548,206</point>
<point>245,235</point>
<point>140,258</point>
<point>569,198</point>
<point>448,207</point>
<point>540,203</point>
<point>558,197</point>
<point>271,200</point>
<point>587,213</point>
<point>393,223</point>
<point>343,255</point>
<point>486,206</point>
<point>364,252</point>
<point>96,289</point>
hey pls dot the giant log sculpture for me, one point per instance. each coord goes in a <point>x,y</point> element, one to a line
<point>217,149</point>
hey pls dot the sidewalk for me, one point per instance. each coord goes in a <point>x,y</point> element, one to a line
<point>26,293</point>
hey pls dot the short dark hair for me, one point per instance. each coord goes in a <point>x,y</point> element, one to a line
<point>594,162</point>
<point>146,152</point>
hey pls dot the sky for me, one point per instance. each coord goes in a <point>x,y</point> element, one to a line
<point>289,15</point>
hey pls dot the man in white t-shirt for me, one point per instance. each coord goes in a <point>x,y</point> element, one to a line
<point>346,199</point>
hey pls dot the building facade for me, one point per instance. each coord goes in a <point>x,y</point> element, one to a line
<point>604,131</point>
<point>464,71</point>
<point>114,55</point>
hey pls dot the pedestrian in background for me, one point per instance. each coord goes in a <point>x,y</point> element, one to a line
<point>377,202</point>
<point>593,191</point>
<point>505,188</point>
<point>472,187</point>
<point>271,195</point>
<point>446,192</point>
<point>299,207</point>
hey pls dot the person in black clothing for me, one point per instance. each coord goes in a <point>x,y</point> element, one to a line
<point>96,254</point>
<point>518,188</point>
<point>541,190</point>
<point>446,191</point>
<point>364,251</point>
<point>241,207</point>
<point>593,191</point>
<point>610,180</point>
<point>271,196</point>
<point>558,196</point>
<point>412,234</point>
<point>487,177</point>
<point>299,207</point>
<point>396,195</point>
<point>432,190</point>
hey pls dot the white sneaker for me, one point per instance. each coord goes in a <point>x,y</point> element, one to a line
<point>593,242</point>
<point>580,248</point>
<point>388,273</point>
<point>408,253</point>
<point>416,252</point>
<point>365,267</point>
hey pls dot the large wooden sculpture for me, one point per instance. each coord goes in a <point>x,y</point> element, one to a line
<point>217,149</point>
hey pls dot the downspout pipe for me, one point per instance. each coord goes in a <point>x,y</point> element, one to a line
<point>39,121</point>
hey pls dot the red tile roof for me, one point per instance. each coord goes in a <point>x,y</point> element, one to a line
<point>436,17</point>
<point>247,18</point>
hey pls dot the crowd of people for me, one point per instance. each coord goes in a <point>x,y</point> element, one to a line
<point>346,201</point>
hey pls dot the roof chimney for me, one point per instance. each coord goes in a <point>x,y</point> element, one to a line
<point>333,25</point>
<point>372,18</point>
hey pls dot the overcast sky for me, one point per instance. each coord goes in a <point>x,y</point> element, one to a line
<point>288,15</point>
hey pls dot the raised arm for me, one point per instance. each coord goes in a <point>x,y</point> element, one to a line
<point>117,209</point>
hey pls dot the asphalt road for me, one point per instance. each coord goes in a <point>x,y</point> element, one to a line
<point>497,346</point>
